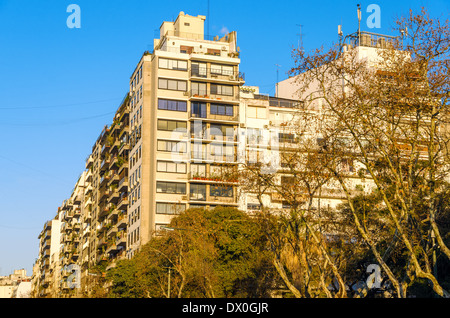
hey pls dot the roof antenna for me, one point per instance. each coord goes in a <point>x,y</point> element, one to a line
<point>359,24</point>
<point>300,41</point>
<point>207,19</point>
<point>278,70</point>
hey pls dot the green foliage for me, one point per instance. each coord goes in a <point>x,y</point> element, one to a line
<point>219,252</point>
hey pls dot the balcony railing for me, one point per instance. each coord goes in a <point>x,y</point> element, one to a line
<point>215,74</point>
<point>203,94</point>
<point>209,177</point>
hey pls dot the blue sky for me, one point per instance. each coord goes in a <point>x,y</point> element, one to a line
<point>60,86</point>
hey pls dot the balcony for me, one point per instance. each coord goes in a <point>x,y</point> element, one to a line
<point>123,203</point>
<point>112,215</point>
<point>104,211</point>
<point>104,194</point>
<point>104,179</point>
<point>121,238</point>
<point>105,147</point>
<point>224,52</point>
<point>88,203</point>
<point>88,190</point>
<point>65,238</point>
<point>77,212</point>
<point>105,164</point>
<point>68,215</point>
<point>89,162</point>
<point>121,221</point>
<point>205,157</point>
<point>123,184</point>
<point>113,179</point>
<point>123,147</point>
<point>208,97</point>
<point>211,178</point>
<point>113,163</point>
<point>212,194</point>
<point>215,74</point>
<point>111,231</point>
<point>116,145</point>
<point>232,118</point>
<point>67,227</point>
<point>215,200</point>
<point>77,199</point>
<point>76,226</point>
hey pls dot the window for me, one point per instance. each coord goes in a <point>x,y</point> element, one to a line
<point>222,69</point>
<point>198,129</point>
<point>171,125</point>
<point>198,192</point>
<point>256,112</point>
<point>199,151</point>
<point>222,89</point>
<point>198,69</point>
<point>186,49</point>
<point>173,64</point>
<point>198,109</point>
<point>254,136</point>
<point>175,105</point>
<point>222,130</point>
<point>283,137</point>
<point>198,88</point>
<point>170,187</point>
<point>221,191</point>
<point>222,153</point>
<point>171,84</point>
<point>198,170</point>
<point>253,207</point>
<point>171,146</point>
<point>226,110</point>
<point>170,208</point>
<point>171,167</point>
<point>213,52</point>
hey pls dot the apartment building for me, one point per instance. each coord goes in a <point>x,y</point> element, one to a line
<point>71,213</point>
<point>271,129</point>
<point>106,196</point>
<point>49,246</point>
<point>184,98</point>
<point>89,227</point>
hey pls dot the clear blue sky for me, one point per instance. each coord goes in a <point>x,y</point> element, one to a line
<point>60,86</point>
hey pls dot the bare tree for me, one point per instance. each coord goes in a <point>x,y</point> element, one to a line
<point>386,114</point>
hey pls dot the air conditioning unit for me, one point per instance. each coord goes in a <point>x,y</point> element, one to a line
<point>184,198</point>
<point>242,125</point>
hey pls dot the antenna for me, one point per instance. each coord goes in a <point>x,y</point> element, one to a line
<point>300,41</point>
<point>207,19</point>
<point>359,23</point>
<point>278,69</point>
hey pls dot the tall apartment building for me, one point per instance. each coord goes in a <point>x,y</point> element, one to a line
<point>106,195</point>
<point>183,98</point>
<point>49,245</point>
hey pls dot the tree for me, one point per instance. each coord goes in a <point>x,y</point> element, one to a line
<point>216,253</point>
<point>388,116</point>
